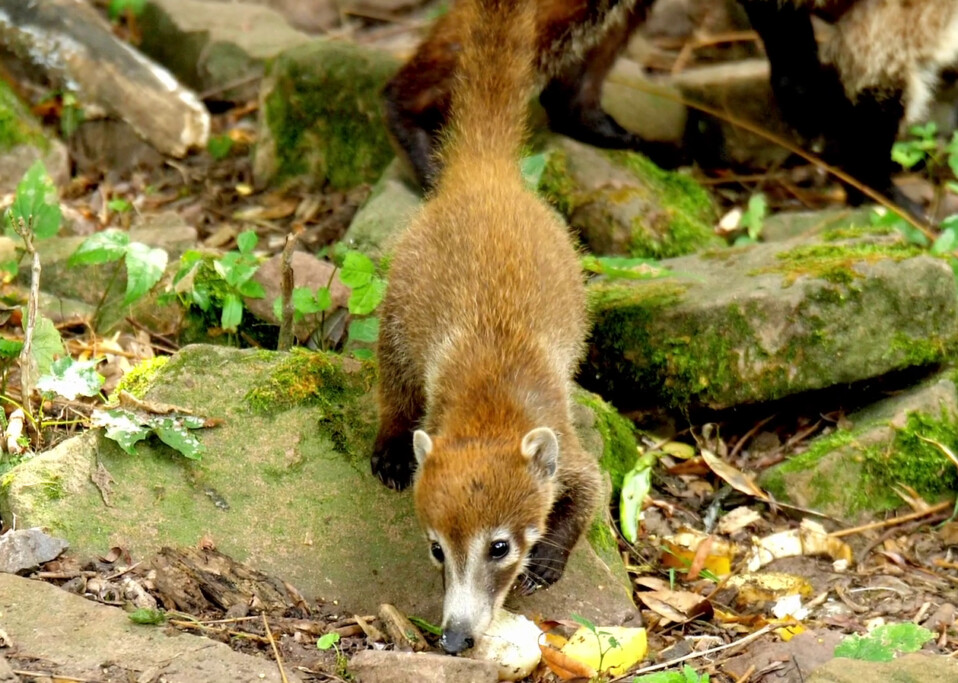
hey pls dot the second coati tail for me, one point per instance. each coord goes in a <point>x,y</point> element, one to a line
<point>482,329</point>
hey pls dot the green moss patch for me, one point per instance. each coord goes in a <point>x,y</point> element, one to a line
<point>138,380</point>
<point>835,263</point>
<point>17,124</point>
<point>324,113</point>
<point>619,447</point>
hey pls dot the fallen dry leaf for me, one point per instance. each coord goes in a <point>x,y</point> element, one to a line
<point>564,666</point>
<point>768,587</point>
<point>677,606</point>
<point>737,519</point>
<point>735,478</point>
<point>809,539</point>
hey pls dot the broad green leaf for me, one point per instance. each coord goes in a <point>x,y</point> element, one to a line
<point>884,642</point>
<point>101,247</point>
<point>327,640</point>
<point>946,242</point>
<point>363,300</point>
<point>36,202</point>
<point>624,267</point>
<point>219,146</point>
<point>363,354</point>
<point>10,348</point>
<point>358,270</point>
<point>176,435</point>
<point>307,302</point>
<point>636,485</point>
<point>122,426</point>
<point>252,289</point>
<point>754,215</point>
<point>46,344</point>
<point>246,241</point>
<point>232,312</point>
<point>70,378</point>
<point>364,330</point>
<point>144,268</point>
<point>531,168</point>
<point>907,154</point>
<point>147,617</point>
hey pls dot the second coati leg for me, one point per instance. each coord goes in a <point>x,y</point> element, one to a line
<point>400,410</point>
<point>572,99</point>
<point>807,93</point>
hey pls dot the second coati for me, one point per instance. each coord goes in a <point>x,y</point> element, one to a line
<point>878,68</point>
<point>482,329</point>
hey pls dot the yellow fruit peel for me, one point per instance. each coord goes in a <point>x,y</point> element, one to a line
<point>608,649</point>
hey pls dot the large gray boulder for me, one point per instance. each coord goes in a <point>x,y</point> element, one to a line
<point>284,486</point>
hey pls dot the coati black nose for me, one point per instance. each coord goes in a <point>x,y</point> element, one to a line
<point>454,642</point>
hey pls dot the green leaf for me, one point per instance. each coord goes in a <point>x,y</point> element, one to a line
<point>636,485</point>
<point>46,344</point>
<point>363,354</point>
<point>358,270</point>
<point>175,434</point>
<point>246,241</point>
<point>754,215</point>
<point>117,7</point>
<point>307,302</point>
<point>36,202</point>
<point>10,348</point>
<point>531,168</point>
<point>147,617</point>
<point>219,146</point>
<point>364,330</point>
<point>101,247</point>
<point>252,289</point>
<point>426,626</point>
<point>70,378</point>
<point>327,640</point>
<point>907,154</point>
<point>144,268</point>
<point>582,621</point>
<point>883,643</point>
<point>119,205</point>
<point>232,312</point>
<point>624,267</point>
<point>946,242</point>
<point>364,300</point>
<point>122,426</point>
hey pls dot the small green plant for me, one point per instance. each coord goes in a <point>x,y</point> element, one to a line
<point>603,651</point>
<point>118,8</point>
<point>220,283</point>
<point>128,427</point>
<point>147,617</point>
<point>219,146</point>
<point>686,675</point>
<point>883,643</point>
<point>330,641</point>
<point>925,148</point>
<point>119,205</point>
<point>753,219</point>
<point>71,114</point>
<point>366,290</point>
<point>145,265</point>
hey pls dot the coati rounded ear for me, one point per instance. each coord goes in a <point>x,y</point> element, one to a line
<point>421,445</point>
<point>542,448</point>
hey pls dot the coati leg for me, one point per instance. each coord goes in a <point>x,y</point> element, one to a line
<point>400,409</point>
<point>807,93</point>
<point>572,99</point>
<point>570,514</point>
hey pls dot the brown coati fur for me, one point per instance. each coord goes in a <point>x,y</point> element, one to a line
<point>878,68</point>
<point>482,329</point>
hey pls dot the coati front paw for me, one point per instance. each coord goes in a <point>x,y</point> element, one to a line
<point>545,566</point>
<point>393,462</point>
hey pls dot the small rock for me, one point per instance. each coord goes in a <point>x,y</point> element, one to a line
<point>26,549</point>
<point>387,666</point>
<point>629,96</point>
<point>311,16</point>
<point>22,142</point>
<point>622,204</point>
<point>321,116</point>
<point>113,147</point>
<point>860,470</point>
<point>216,47</point>
<point>390,206</point>
<point>912,668</point>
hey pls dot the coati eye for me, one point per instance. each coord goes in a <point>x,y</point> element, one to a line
<point>498,549</point>
<point>437,553</point>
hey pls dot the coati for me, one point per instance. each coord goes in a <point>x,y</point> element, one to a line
<point>482,328</point>
<point>879,67</point>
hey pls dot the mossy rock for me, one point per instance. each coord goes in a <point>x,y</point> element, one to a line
<point>759,323</point>
<point>856,472</point>
<point>23,141</point>
<point>321,116</point>
<point>284,485</point>
<point>623,204</point>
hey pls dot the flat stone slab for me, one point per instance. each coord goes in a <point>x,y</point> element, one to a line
<point>913,668</point>
<point>284,486</point>
<point>80,638</point>
<point>389,666</point>
<point>758,323</point>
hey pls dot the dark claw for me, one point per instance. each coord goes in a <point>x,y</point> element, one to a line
<point>394,462</point>
<point>545,566</point>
